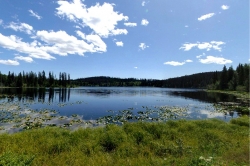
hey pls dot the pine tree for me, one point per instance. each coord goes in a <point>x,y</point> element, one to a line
<point>223,78</point>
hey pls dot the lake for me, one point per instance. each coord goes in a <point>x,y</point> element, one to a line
<point>22,107</point>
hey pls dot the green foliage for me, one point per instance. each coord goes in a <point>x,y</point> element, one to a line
<point>10,159</point>
<point>112,137</point>
<point>198,142</point>
<point>242,121</point>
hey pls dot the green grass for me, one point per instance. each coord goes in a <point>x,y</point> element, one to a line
<point>239,94</point>
<point>197,142</point>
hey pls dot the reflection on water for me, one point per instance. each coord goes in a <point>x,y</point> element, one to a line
<point>94,102</point>
<point>211,97</point>
<point>37,94</point>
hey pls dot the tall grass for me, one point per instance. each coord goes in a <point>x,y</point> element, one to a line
<point>199,142</point>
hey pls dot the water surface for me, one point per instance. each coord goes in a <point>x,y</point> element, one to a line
<point>95,102</point>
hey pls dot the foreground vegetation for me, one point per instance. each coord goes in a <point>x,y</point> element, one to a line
<point>198,142</point>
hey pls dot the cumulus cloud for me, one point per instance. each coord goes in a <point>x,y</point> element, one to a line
<point>143,3</point>
<point>26,59</point>
<point>82,35</point>
<point>63,44</point>
<point>34,14</point>
<point>206,16</point>
<point>119,43</point>
<point>130,24</point>
<point>51,42</point>
<point>216,60</point>
<point>143,46</point>
<point>23,27</point>
<point>99,45</point>
<point>9,62</point>
<point>204,45</point>
<point>144,22</point>
<point>224,7</point>
<point>175,63</point>
<point>102,19</point>
<point>32,49</point>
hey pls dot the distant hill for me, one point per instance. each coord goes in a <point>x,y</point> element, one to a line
<point>200,80</point>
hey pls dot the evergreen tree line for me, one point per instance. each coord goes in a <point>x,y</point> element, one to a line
<point>227,79</point>
<point>118,82</point>
<point>230,79</point>
<point>31,79</point>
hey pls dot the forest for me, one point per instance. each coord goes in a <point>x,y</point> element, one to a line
<point>31,79</point>
<point>226,79</point>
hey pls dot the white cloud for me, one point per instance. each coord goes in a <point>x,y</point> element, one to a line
<point>206,16</point>
<point>143,3</point>
<point>77,27</point>
<point>224,7</point>
<point>99,45</point>
<point>188,46</point>
<point>120,43</point>
<point>204,45</point>
<point>14,43</point>
<point>216,60</point>
<point>130,24</point>
<point>63,44</point>
<point>186,26</point>
<point>82,35</point>
<point>102,19</point>
<point>216,44</point>
<point>35,14</point>
<point>198,56</point>
<point>26,59</point>
<point>144,22</point>
<point>143,46</point>
<point>174,63</point>
<point>136,67</point>
<point>188,60</point>
<point>23,27</point>
<point>9,62</point>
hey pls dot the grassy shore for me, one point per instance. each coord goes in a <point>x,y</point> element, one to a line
<point>242,95</point>
<point>196,142</point>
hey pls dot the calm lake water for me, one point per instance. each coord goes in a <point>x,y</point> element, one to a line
<point>95,102</point>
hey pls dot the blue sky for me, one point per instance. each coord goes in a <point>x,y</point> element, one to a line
<point>155,39</point>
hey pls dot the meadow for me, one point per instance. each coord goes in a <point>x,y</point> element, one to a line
<point>180,142</point>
